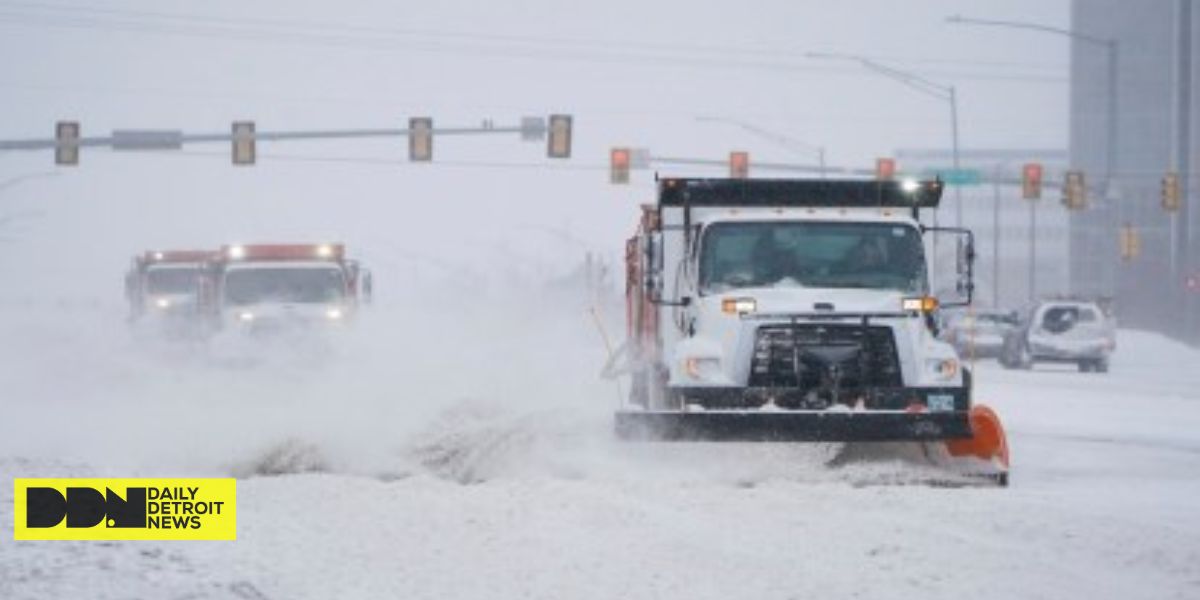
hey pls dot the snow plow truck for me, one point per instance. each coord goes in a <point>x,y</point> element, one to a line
<point>164,283</point>
<point>799,311</point>
<point>260,289</point>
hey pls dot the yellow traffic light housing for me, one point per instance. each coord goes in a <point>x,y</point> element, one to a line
<point>420,139</point>
<point>1130,242</point>
<point>245,151</point>
<point>1075,191</point>
<point>1171,200</point>
<point>559,144</point>
<point>66,146</point>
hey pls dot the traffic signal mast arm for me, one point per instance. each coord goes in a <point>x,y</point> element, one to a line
<point>68,140</point>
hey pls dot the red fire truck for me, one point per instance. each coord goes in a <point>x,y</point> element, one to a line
<point>263,288</point>
<point>165,282</point>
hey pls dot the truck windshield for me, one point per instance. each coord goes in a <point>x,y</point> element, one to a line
<point>295,285</point>
<point>812,254</point>
<point>172,280</point>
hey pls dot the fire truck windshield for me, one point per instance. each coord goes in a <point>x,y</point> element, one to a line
<point>276,284</point>
<point>812,254</point>
<point>171,280</point>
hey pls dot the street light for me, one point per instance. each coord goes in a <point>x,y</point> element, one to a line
<point>1111,46</point>
<point>925,86</point>
<point>778,138</point>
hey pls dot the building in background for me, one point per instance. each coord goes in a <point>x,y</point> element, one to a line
<point>1152,46</point>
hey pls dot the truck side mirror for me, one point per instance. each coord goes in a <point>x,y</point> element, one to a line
<point>964,261</point>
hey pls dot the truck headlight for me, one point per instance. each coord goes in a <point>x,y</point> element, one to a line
<point>922,304</point>
<point>702,367</point>
<point>334,314</point>
<point>163,303</point>
<point>246,316</point>
<point>738,306</point>
<point>943,369</point>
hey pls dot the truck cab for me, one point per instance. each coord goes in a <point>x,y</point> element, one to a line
<point>164,283</point>
<point>793,309</point>
<point>266,288</point>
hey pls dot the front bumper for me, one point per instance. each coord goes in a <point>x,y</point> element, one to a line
<point>1066,351</point>
<point>791,426</point>
<point>933,399</point>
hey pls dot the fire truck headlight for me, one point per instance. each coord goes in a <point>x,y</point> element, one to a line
<point>246,316</point>
<point>324,251</point>
<point>163,303</point>
<point>237,252</point>
<point>910,185</point>
<point>334,314</point>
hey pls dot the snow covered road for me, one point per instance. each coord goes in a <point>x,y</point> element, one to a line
<point>400,479</point>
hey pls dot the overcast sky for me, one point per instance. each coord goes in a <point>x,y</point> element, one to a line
<point>632,73</point>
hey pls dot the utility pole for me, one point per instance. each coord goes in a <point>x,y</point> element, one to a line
<point>1185,261</point>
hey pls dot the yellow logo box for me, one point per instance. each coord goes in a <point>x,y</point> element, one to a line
<point>125,509</point>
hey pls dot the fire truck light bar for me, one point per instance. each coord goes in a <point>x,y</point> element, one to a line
<point>284,252</point>
<point>176,256</point>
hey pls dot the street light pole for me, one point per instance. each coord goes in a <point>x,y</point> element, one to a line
<point>4,185</point>
<point>958,207</point>
<point>1112,47</point>
<point>946,93</point>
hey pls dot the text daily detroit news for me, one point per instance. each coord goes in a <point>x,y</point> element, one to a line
<point>112,509</point>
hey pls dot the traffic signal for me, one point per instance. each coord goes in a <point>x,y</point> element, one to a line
<point>1075,191</point>
<point>619,161</point>
<point>420,139</point>
<point>739,165</point>
<point>244,150</point>
<point>1031,181</point>
<point>1131,243</point>
<point>66,143</point>
<point>1171,201</point>
<point>559,145</point>
<point>885,168</point>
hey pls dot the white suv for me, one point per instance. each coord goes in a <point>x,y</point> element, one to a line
<point>1063,331</point>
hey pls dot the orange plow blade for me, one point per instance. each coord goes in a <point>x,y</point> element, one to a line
<point>987,443</point>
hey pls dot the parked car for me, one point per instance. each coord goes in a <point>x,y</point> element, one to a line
<point>981,334</point>
<point>1061,331</point>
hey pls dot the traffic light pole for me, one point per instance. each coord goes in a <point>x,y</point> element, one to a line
<point>996,239</point>
<point>1033,250</point>
<point>148,139</point>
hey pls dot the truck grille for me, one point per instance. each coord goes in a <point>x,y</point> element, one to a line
<point>824,357</point>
